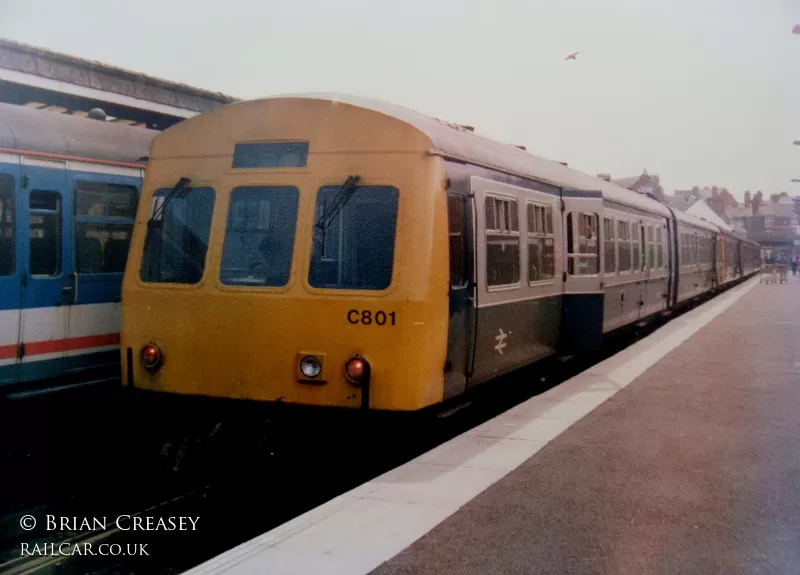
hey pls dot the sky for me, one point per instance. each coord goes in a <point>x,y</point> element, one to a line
<point>699,92</point>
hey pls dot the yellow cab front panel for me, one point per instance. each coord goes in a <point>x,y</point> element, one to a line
<point>298,263</point>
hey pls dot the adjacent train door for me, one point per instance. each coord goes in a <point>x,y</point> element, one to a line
<point>45,286</point>
<point>461,328</point>
<point>104,212</point>
<point>10,293</point>
<point>582,315</point>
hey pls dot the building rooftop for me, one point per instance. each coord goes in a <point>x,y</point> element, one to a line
<point>42,78</point>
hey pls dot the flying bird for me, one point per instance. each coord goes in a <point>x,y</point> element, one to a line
<point>573,56</point>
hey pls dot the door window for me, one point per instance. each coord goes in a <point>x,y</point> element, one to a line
<point>456,213</point>
<point>582,244</point>
<point>6,225</point>
<point>45,234</point>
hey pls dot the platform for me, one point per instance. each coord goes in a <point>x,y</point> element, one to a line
<point>678,455</point>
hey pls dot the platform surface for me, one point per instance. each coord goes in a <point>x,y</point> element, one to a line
<point>694,468</point>
<point>680,454</point>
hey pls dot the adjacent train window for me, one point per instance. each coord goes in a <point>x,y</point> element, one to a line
<point>7,247</point>
<point>624,244</point>
<point>270,155</point>
<point>502,241</point>
<point>651,248</point>
<point>456,218</point>
<point>177,236</point>
<point>354,237</point>
<point>259,236</point>
<point>609,246</point>
<point>636,245</point>
<point>45,233</point>
<point>541,243</point>
<point>582,244</point>
<point>104,215</point>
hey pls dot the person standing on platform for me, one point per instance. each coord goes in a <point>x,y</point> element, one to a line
<point>794,264</point>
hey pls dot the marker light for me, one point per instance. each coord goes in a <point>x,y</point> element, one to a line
<point>355,369</point>
<point>310,366</point>
<point>151,356</point>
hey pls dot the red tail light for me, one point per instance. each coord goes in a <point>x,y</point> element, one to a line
<point>151,356</point>
<point>356,370</point>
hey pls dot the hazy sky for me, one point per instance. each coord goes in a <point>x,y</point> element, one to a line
<point>700,92</point>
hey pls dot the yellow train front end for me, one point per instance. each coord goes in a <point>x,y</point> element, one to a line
<point>290,250</point>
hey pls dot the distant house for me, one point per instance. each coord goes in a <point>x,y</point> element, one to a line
<point>682,199</point>
<point>645,184</point>
<point>773,224</point>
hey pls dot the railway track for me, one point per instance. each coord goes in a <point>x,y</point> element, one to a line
<point>37,554</point>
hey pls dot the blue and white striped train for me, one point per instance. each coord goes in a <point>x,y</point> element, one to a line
<point>69,187</point>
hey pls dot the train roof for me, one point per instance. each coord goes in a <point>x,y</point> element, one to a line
<point>460,142</point>
<point>33,130</point>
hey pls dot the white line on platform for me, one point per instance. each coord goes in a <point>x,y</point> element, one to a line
<point>359,530</point>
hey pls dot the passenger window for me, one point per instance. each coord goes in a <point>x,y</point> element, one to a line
<point>502,241</point>
<point>456,213</point>
<point>541,243</point>
<point>637,247</point>
<point>624,244</point>
<point>7,248</point>
<point>651,248</point>
<point>659,248</point>
<point>104,215</point>
<point>45,234</point>
<point>610,246</point>
<point>582,244</point>
<point>354,237</point>
<point>259,236</point>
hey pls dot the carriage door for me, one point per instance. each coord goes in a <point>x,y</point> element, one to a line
<point>45,286</point>
<point>461,328</point>
<point>10,286</point>
<point>582,319</point>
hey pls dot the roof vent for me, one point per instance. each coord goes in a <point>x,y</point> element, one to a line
<point>564,163</point>
<point>467,128</point>
<point>606,177</point>
<point>97,114</point>
<point>521,147</point>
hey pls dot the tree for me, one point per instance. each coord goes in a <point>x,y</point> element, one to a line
<point>758,199</point>
<point>721,200</point>
<point>748,199</point>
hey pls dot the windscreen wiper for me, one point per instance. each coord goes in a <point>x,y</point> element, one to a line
<point>158,214</point>
<point>338,202</point>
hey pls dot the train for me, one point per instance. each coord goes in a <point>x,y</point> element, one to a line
<point>342,253</point>
<point>69,190</point>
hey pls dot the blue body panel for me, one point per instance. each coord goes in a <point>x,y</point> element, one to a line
<point>24,291</point>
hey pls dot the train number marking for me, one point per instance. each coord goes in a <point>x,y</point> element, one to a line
<point>369,317</point>
<point>500,338</point>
